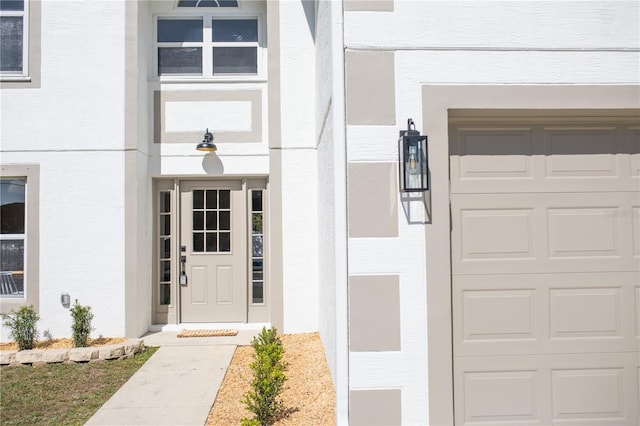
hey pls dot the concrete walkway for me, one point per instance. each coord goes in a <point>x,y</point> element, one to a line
<point>177,385</point>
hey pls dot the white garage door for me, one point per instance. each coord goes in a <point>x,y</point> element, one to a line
<point>546,259</point>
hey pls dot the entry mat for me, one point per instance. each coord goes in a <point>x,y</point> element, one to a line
<point>207,333</point>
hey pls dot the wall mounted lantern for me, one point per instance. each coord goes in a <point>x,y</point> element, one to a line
<point>413,158</point>
<point>207,144</point>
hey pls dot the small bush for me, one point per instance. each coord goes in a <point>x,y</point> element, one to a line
<point>263,399</point>
<point>23,326</point>
<point>81,327</point>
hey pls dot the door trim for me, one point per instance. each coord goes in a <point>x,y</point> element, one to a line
<point>171,314</point>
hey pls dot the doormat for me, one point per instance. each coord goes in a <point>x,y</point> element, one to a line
<point>207,333</point>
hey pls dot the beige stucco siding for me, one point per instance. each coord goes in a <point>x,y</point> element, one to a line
<point>373,209</point>
<point>370,87</point>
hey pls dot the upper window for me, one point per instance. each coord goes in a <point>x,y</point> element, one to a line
<point>13,37</point>
<point>208,46</point>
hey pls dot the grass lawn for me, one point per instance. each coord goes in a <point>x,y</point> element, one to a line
<point>62,394</point>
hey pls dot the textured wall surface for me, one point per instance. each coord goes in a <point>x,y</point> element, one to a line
<point>462,43</point>
<point>74,129</point>
<point>299,170</point>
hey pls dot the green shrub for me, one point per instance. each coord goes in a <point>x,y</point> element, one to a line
<point>263,399</point>
<point>23,326</point>
<point>81,327</point>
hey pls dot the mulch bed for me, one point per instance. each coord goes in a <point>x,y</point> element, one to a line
<point>309,394</point>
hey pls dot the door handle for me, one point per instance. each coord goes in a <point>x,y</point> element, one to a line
<point>183,270</point>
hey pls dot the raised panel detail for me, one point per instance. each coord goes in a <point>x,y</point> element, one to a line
<point>585,312</point>
<point>574,153</point>
<point>232,115</point>
<point>224,285</point>
<point>495,154</point>
<point>499,396</point>
<point>224,116</point>
<point>587,394</point>
<point>198,284</point>
<point>497,234</point>
<point>578,232</point>
<point>506,314</point>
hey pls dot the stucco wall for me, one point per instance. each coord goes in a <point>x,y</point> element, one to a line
<point>72,126</point>
<point>462,43</point>
<point>299,170</point>
<point>326,203</point>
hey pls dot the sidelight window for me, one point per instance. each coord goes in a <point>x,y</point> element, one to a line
<point>257,246</point>
<point>164,246</point>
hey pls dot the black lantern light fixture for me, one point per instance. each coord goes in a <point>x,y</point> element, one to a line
<point>413,158</point>
<point>207,144</point>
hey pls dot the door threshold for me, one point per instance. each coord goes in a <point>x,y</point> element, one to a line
<point>209,326</point>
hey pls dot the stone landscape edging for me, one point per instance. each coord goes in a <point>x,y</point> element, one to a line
<point>122,350</point>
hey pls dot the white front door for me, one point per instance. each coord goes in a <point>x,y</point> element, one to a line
<point>213,259</point>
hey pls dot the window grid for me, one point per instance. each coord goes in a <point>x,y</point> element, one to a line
<point>257,247</point>
<point>205,49</point>
<point>211,225</point>
<point>165,247</point>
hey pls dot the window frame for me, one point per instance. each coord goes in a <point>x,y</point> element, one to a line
<point>31,295</point>
<point>208,15</point>
<point>24,73</point>
<point>18,236</point>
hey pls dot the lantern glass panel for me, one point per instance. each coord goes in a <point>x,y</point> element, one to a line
<point>414,163</point>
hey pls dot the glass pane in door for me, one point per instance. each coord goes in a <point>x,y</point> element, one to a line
<point>211,210</point>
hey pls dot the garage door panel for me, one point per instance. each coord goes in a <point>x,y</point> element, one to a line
<point>494,159</point>
<point>585,312</point>
<point>572,389</point>
<point>594,389</point>
<point>546,313</point>
<point>484,313</point>
<point>497,234</point>
<point>500,397</point>
<point>583,232</point>
<point>592,393</point>
<point>510,155</point>
<point>478,222</point>
<point>580,152</point>
<point>541,233</point>
<point>545,252</point>
<point>501,390</point>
